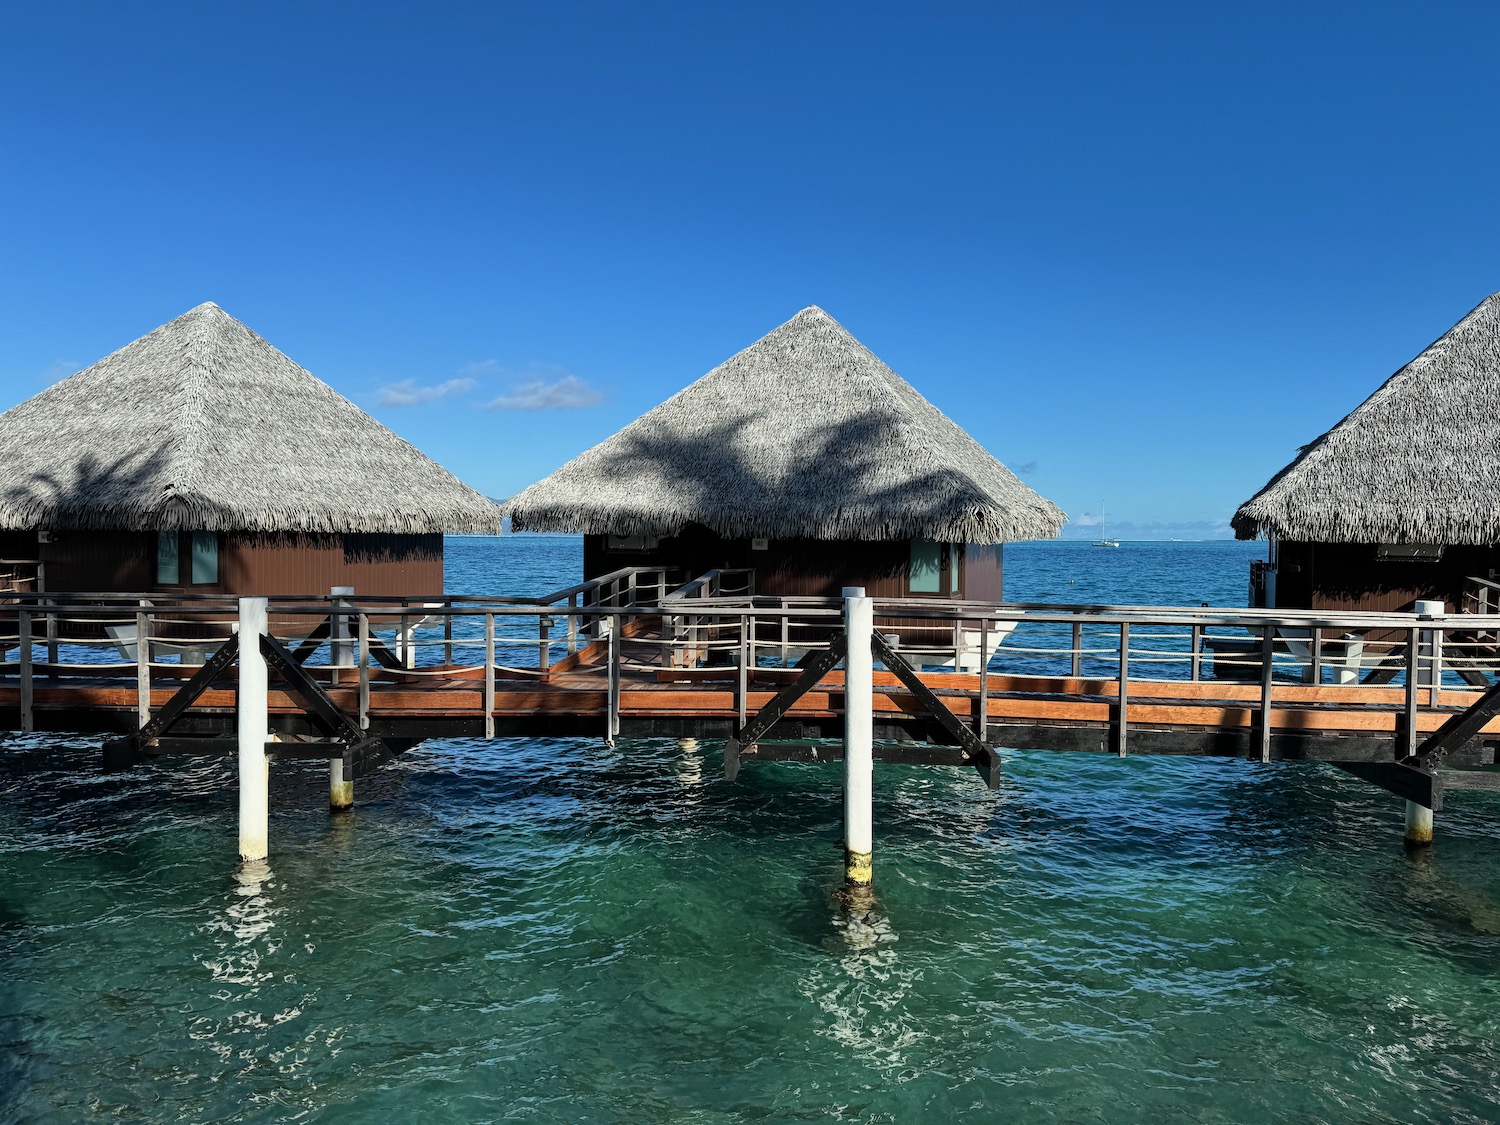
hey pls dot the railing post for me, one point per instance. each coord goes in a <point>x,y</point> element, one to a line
<point>23,654</point>
<point>52,634</point>
<point>1077,649</point>
<point>143,627</point>
<point>572,625</point>
<point>1122,730</point>
<point>447,632</point>
<point>544,645</point>
<point>1197,657</point>
<point>1317,654</point>
<point>982,714</point>
<point>254,728</point>
<point>364,671</point>
<point>1267,667</point>
<point>786,631</point>
<point>859,769</point>
<point>489,675</point>
<point>742,681</point>
<point>612,698</point>
<point>408,658</point>
<point>1412,677</point>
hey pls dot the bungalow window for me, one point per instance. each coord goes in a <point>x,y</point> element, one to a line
<point>168,558</point>
<point>205,558</point>
<point>926,567</point>
<point>632,542</point>
<point>201,549</point>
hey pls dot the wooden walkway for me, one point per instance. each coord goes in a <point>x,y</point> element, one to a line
<point>611,662</point>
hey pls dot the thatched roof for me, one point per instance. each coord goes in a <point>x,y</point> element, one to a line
<point>804,434</point>
<point>1416,462</point>
<point>202,424</point>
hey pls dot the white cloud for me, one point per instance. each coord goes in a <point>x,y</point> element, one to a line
<point>407,393</point>
<point>482,369</point>
<point>560,392</point>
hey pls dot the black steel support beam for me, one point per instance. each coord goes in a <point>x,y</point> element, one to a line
<point>814,668</point>
<point>1421,786</point>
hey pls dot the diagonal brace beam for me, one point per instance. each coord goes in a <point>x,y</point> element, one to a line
<point>1458,730</point>
<point>313,697</point>
<point>984,759</point>
<point>814,668</point>
<point>314,639</point>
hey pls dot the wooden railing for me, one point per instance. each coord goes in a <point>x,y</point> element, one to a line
<point>1102,650</point>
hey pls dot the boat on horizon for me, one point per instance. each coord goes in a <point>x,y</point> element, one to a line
<point>1104,540</point>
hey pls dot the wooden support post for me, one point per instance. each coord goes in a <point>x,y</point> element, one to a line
<point>254,724</point>
<point>1077,649</point>
<point>859,768</point>
<point>1197,657</point>
<point>364,671</point>
<point>1122,728</point>
<point>28,685</point>
<point>489,675</point>
<point>143,629</point>
<point>1267,668</point>
<point>1412,677</point>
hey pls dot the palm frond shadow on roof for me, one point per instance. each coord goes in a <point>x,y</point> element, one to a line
<point>203,424</point>
<point>805,434</point>
<point>1416,462</point>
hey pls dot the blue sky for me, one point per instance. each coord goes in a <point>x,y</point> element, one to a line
<point>1141,251</point>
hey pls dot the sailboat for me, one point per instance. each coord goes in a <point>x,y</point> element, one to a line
<point>1104,540</point>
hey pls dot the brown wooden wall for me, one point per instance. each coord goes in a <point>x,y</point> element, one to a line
<point>249,563</point>
<point>807,567</point>
<point>1350,576</point>
<point>372,564</point>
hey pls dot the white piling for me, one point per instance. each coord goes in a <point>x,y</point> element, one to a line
<point>340,642</point>
<point>1418,825</point>
<point>254,727</point>
<point>859,767</point>
<point>1429,672</point>
<point>341,655</point>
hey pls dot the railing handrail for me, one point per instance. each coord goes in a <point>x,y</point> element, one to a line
<point>713,579</point>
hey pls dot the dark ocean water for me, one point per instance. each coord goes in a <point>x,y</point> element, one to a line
<point>556,931</point>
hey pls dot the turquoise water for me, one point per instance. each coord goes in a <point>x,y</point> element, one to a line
<point>554,931</point>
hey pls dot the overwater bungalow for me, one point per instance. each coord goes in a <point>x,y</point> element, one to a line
<point>807,461</point>
<point>1396,503</point>
<point>199,459</point>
